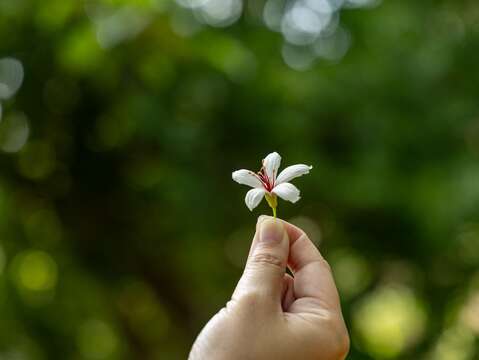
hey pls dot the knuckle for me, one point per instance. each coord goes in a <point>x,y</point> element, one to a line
<point>336,336</point>
<point>266,259</point>
<point>326,264</point>
<point>340,343</point>
<point>346,345</point>
<point>342,347</point>
<point>249,304</point>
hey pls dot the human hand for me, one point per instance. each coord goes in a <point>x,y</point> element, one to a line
<point>273,315</point>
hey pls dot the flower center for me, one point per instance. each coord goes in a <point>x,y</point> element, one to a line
<point>265,180</point>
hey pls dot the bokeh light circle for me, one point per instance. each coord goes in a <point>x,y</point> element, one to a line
<point>388,321</point>
<point>302,26</point>
<point>36,271</point>
<point>11,77</point>
<point>14,132</point>
<point>219,13</point>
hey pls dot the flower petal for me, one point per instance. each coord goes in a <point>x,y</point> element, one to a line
<point>292,172</point>
<point>254,197</point>
<point>287,191</point>
<point>271,165</point>
<point>246,177</point>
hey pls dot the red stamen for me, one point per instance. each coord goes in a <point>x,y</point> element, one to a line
<point>265,180</point>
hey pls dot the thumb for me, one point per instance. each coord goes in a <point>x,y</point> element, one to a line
<point>266,264</point>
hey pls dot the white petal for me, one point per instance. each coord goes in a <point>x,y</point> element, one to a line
<point>247,177</point>
<point>271,165</point>
<point>292,172</point>
<point>254,197</point>
<point>287,191</point>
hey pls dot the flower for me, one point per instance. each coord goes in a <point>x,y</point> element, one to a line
<point>267,183</point>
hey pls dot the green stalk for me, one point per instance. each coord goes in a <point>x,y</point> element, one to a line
<point>272,202</point>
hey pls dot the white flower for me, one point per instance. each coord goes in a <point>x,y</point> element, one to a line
<point>268,183</point>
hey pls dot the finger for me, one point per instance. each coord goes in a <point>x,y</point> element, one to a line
<point>312,274</point>
<point>288,292</point>
<point>266,263</point>
<point>258,223</point>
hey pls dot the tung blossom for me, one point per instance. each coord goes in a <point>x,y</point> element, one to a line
<point>267,183</point>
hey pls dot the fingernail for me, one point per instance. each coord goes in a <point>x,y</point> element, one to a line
<point>271,231</point>
<point>261,218</point>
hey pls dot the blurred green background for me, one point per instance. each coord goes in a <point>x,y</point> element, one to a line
<point>121,231</point>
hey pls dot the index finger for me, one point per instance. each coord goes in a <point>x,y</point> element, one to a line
<point>312,274</point>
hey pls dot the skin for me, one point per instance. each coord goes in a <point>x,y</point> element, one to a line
<point>273,315</point>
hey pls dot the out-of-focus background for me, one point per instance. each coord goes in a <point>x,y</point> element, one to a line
<point>121,231</point>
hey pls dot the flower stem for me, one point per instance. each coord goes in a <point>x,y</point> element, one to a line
<point>272,202</point>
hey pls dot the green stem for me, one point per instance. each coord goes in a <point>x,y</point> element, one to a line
<point>272,202</point>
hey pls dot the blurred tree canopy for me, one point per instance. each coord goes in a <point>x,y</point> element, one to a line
<point>121,232</point>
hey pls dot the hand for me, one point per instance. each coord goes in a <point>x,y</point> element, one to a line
<point>272,315</point>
